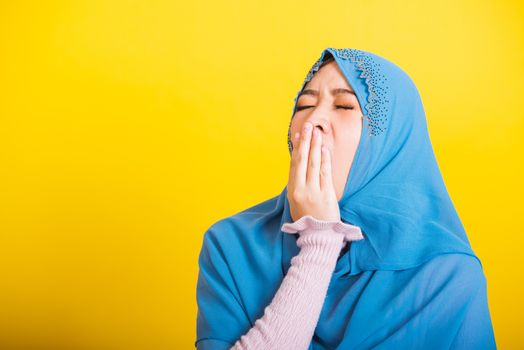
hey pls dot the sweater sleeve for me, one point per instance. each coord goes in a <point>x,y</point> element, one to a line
<point>289,321</point>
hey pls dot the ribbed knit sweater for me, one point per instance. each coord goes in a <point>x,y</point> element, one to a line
<point>289,321</point>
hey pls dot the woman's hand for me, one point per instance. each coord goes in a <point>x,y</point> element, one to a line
<point>310,189</point>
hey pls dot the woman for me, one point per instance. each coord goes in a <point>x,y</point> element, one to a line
<point>363,248</point>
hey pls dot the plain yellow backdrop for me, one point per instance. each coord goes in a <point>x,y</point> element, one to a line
<point>128,127</point>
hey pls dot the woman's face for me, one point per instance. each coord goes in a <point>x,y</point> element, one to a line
<point>329,103</point>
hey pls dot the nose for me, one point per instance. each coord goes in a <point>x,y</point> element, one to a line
<point>318,122</point>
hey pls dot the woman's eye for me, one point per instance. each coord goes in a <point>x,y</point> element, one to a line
<point>304,107</point>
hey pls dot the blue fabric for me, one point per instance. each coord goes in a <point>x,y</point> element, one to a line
<point>414,282</point>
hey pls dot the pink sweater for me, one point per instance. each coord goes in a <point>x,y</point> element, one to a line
<point>289,321</point>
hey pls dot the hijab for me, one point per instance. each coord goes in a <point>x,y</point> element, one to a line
<point>412,282</point>
<point>394,192</point>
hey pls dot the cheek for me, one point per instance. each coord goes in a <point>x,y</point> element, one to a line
<point>354,128</point>
<point>293,129</point>
<point>348,131</point>
<point>345,144</point>
<point>296,126</point>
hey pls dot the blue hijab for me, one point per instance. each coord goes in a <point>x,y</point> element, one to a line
<point>414,282</point>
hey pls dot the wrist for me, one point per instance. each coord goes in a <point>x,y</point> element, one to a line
<point>307,225</point>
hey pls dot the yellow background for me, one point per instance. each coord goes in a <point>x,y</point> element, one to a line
<point>128,127</point>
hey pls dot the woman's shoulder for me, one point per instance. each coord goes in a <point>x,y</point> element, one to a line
<point>245,222</point>
<point>455,262</point>
<point>456,270</point>
<point>245,246</point>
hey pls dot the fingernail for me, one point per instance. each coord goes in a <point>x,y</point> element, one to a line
<point>297,135</point>
<point>307,126</point>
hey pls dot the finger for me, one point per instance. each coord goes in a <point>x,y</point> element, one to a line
<point>313,171</point>
<point>326,175</point>
<point>303,155</point>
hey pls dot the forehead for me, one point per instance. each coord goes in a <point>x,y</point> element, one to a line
<point>329,74</point>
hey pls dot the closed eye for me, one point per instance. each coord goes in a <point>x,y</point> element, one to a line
<point>342,107</point>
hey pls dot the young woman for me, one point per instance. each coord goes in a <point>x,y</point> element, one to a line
<point>363,248</point>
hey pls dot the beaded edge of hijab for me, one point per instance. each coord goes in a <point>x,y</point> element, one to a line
<point>375,80</point>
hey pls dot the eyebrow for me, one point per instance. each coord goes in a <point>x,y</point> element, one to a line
<point>333,92</point>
